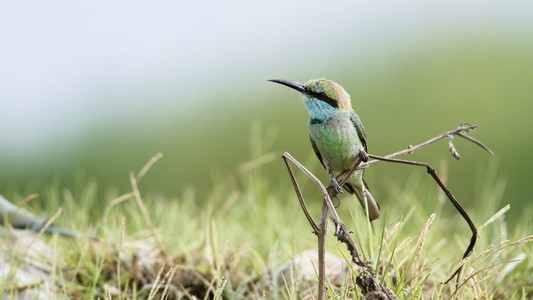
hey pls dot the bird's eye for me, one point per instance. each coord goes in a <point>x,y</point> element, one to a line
<point>324,97</point>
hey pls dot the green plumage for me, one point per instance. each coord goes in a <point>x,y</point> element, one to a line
<point>337,136</point>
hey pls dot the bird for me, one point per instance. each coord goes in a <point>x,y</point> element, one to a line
<point>337,136</point>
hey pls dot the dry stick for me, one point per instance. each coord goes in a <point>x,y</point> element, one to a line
<point>342,232</point>
<point>459,208</point>
<point>322,250</point>
<point>464,127</point>
<point>457,131</point>
<point>366,280</point>
<point>286,157</point>
<point>319,231</point>
<point>325,191</point>
<point>473,140</point>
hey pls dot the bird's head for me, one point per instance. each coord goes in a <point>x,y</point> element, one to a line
<point>322,92</point>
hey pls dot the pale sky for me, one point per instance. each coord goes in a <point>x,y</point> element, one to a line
<point>65,64</point>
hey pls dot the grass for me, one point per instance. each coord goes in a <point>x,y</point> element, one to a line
<point>244,240</point>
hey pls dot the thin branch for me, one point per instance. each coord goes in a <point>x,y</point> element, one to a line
<point>306,172</point>
<point>459,208</point>
<point>286,158</point>
<point>366,280</point>
<point>341,232</point>
<point>350,172</point>
<point>457,131</point>
<point>473,140</point>
<point>322,250</point>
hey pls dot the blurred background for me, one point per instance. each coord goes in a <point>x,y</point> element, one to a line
<point>91,90</point>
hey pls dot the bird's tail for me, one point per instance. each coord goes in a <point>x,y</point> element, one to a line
<point>363,194</point>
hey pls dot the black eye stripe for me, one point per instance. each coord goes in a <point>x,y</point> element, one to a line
<point>323,97</point>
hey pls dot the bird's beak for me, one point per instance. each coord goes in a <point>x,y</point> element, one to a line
<point>300,87</point>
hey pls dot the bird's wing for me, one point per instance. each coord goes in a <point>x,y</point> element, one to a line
<point>316,151</point>
<point>359,128</point>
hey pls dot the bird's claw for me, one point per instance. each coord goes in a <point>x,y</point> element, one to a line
<point>364,155</point>
<point>336,186</point>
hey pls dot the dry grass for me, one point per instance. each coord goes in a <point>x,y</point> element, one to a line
<point>241,242</point>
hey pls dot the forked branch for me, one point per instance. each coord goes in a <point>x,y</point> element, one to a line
<point>343,234</point>
<point>450,196</point>
<point>459,131</point>
<point>320,230</point>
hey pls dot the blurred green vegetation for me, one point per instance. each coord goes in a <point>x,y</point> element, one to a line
<point>401,100</point>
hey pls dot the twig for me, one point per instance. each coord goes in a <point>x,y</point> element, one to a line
<point>473,140</point>
<point>342,232</point>
<point>322,250</point>
<point>465,127</point>
<point>457,131</point>
<point>286,158</point>
<point>459,208</point>
<point>366,279</point>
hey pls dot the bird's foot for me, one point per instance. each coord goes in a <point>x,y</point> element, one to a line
<point>333,182</point>
<point>364,155</point>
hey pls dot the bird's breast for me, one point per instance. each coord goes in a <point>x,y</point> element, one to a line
<point>337,141</point>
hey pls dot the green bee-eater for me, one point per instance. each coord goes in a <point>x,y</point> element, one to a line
<point>337,135</point>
